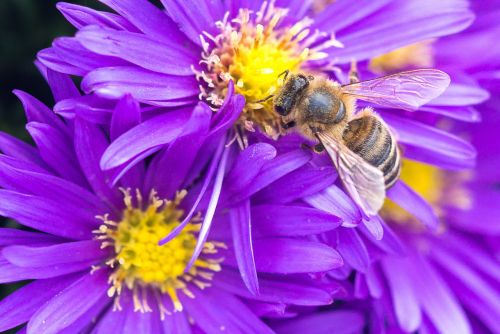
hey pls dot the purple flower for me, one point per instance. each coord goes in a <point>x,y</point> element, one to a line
<point>169,59</point>
<point>93,250</point>
<point>435,271</point>
<point>268,208</point>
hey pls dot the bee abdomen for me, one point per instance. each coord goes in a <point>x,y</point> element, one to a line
<point>368,137</point>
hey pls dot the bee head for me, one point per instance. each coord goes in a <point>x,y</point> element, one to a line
<point>290,93</point>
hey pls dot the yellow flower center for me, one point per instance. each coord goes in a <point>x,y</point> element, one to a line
<point>432,184</point>
<point>252,51</point>
<point>418,55</point>
<point>424,179</point>
<point>140,262</point>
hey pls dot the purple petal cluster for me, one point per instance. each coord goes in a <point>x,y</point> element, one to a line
<point>169,145</point>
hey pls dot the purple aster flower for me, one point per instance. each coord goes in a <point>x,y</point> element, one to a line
<point>435,271</point>
<point>92,248</point>
<point>170,58</point>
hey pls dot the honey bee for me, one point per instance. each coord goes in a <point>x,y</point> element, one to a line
<point>359,143</point>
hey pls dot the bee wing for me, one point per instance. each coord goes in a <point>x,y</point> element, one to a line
<point>404,90</point>
<point>364,183</point>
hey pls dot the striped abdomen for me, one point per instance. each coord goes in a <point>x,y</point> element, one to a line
<point>368,137</point>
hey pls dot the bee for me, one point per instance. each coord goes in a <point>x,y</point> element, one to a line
<point>361,146</point>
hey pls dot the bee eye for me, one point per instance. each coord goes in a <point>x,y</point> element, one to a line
<point>280,110</point>
<point>340,113</point>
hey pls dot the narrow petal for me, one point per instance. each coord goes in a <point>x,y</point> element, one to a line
<point>144,85</point>
<point>90,144</point>
<point>241,228</point>
<point>466,114</point>
<point>474,291</point>
<point>235,317</point>
<point>431,145</point>
<point>352,249</point>
<point>461,94</point>
<point>186,15</point>
<point>374,227</point>
<point>46,215</point>
<point>270,172</point>
<point>89,107</point>
<point>126,115</point>
<point>334,201</point>
<point>390,242</point>
<point>36,111</point>
<point>274,290</point>
<point>27,178</point>
<point>164,176</point>
<point>18,307</point>
<point>87,320</point>
<point>57,151</point>
<point>305,181</point>
<point>81,16</point>
<point>338,322</point>
<point>177,323</point>
<point>72,52</point>
<point>138,49</point>
<point>403,292</point>
<point>79,297</point>
<point>12,236</point>
<point>152,133</point>
<point>401,23</point>
<point>287,256</point>
<point>343,13</point>
<point>288,220</point>
<point>437,301</point>
<point>148,18</point>
<point>249,163</point>
<point>409,200</point>
<point>10,273</point>
<point>88,251</point>
<point>61,85</point>
<point>19,149</point>
<point>50,59</point>
<point>214,164</point>
<point>212,205</point>
<point>112,320</point>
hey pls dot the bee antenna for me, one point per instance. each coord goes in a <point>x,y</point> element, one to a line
<point>265,99</point>
<point>285,72</point>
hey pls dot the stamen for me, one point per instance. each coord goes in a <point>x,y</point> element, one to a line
<point>144,267</point>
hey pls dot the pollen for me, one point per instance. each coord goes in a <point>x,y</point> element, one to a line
<point>418,55</point>
<point>252,51</point>
<point>141,265</point>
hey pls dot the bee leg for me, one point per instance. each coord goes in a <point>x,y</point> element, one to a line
<point>285,72</point>
<point>265,99</point>
<point>288,125</point>
<point>353,73</point>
